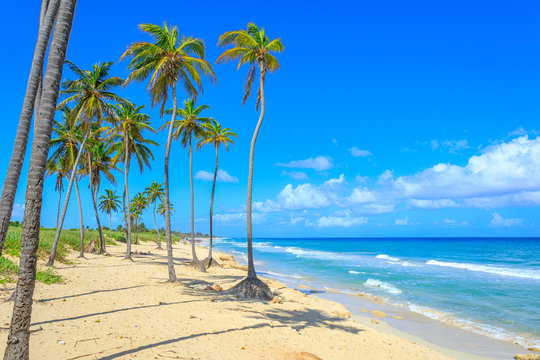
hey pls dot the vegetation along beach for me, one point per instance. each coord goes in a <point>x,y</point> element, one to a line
<point>290,180</point>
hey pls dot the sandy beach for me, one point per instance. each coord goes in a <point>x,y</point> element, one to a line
<point>112,308</point>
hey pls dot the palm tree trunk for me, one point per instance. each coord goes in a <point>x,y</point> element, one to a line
<point>251,265</point>
<point>155,224</point>
<point>126,198</point>
<point>21,138</point>
<point>212,211</point>
<point>170,264</point>
<point>193,252</point>
<point>19,334</point>
<point>94,190</point>
<point>66,200</point>
<point>58,208</point>
<point>110,224</point>
<point>81,224</point>
<point>137,230</point>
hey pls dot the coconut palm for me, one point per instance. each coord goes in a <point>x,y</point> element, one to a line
<point>215,135</point>
<point>127,131</point>
<point>253,47</point>
<point>55,168</point>
<point>91,93</point>
<point>188,126</point>
<point>109,203</point>
<point>99,163</point>
<point>154,193</point>
<point>161,208</point>
<point>19,330</point>
<point>49,11</point>
<point>140,202</point>
<point>169,61</point>
<point>65,146</point>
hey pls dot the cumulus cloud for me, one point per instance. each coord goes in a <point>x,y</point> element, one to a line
<point>319,163</point>
<point>296,175</point>
<point>222,176</point>
<point>356,152</point>
<point>304,196</point>
<point>236,218</point>
<point>520,131</point>
<point>344,220</point>
<point>431,204</point>
<point>499,221</point>
<point>402,222</point>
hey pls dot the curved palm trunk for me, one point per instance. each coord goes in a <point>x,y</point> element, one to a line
<point>210,260</point>
<point>21,138</point>
<point>155,224</point>
<point>66,200</point>
<point>110,224</point>
<point>94,190</point>
<point>127,210</point>
<point>137,230</point>
<point>19,334</point>
<point>196,261</point>
<point>170,264</point>
<point>81,224</point>
<point>252,286</point>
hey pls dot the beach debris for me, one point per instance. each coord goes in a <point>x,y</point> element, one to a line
<point>398,317</point>
<point>98,321</point>
<point>62,342</point>
<point>217,288</point>
<point>526,357</point>
<point>226,258</point>
<point>378,313</point>
<point>344,313</point>
<point>534,349</point>
<point>208,287</point>
<point>363,310</point>
<point>91,247</point>
<point>373,321</point>
<point>276,300</point>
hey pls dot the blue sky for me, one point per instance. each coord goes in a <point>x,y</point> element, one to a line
<point>386,118</point>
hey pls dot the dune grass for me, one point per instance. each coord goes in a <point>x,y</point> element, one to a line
<point>9,270</point>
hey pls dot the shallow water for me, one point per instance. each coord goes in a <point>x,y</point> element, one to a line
<point>490,286</point>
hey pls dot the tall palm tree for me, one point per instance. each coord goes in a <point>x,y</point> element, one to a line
<point>91,93</point>
<point>161,208</point>
<point>49,11</point>
<point>253,47</point>
<point>65,146</point>
<point>214,134</point>
<point>153,193</point>
<point>99,162</point>
<point>140,202</point>
<point>109,203</point>
<point>127,132</point>
<point>19,334</point>
<point>189,125</point>
<point>168,60</point>
<point>81,224</point>
<point>55,168</point>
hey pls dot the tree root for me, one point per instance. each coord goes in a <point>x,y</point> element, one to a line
<point>251,288</point>
<point>209,262</point>
<point>197,264</point>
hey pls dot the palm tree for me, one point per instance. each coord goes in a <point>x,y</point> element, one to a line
<point>140,202</point>
<point>154,193</point>
<point>253,47</point>
<point>91,93</point>
<point>99,162</point>
<point>49,11</point>
<point>161,208</point>
<point>189,125</point>
<point>169,60</point>
<point>65,146</point>
<point>214,134</point>
<point>128,126</point>
<point>109,203</point>
<point>52,169</point>
<point>18,338</point>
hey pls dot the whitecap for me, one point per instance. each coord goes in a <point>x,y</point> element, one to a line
<point>520,273</point>
<point>389,288</point>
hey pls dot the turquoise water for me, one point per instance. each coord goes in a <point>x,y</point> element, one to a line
<point>490,286</point>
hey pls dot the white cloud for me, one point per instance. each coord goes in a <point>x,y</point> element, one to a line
<point>236,218</point>
<point>434,144</point>
<point>335,142</point>
<point>499,221</point>
<point>520,131</point>
<point>335,183</point>
<point>431,204</point>
<point>304,196</point>
<point>320,163</point>
<point>222,176</point>
<point>361,195</point>
<point>402,222</point>
<point>454,146</point>
<point>296,175</point>
<point>356,152</point>
<point>454,223</point>
<point>361,179</point>
<point>267,206</point>
<point>345,220</point>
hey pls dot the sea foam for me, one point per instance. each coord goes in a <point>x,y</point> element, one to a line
<point>520,273</point>
<point>386,257</point>
<point>391,289</point>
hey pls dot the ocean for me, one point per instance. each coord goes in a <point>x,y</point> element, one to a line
<point>490,286</point>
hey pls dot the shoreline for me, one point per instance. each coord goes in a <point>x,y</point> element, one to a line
<point>453,341</point>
